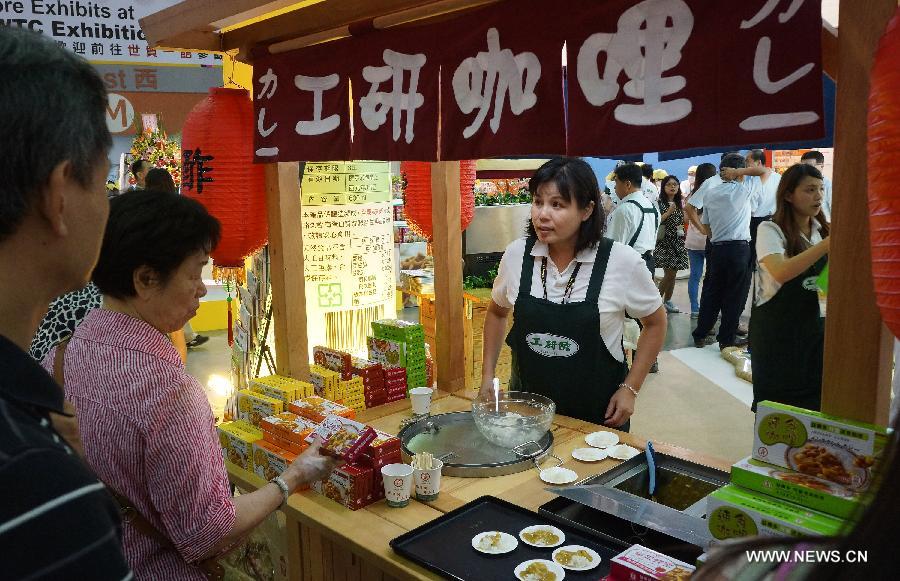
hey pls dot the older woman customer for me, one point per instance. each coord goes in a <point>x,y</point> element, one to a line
<point>147,428</point>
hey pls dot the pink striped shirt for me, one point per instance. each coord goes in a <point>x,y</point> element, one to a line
<point>149,433</point>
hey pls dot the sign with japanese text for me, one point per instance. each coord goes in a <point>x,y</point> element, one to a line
<point>648,75</point>
<point>99,30</point>
<point>348,237</point>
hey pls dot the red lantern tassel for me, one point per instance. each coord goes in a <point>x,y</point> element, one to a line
<point>230,323</point>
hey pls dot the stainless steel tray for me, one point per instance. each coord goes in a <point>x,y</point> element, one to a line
<point>470,454</point>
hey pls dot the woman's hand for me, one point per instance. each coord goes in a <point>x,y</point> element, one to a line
<point>620,408</point>
<point>487,389</point>
<point>310,466</point>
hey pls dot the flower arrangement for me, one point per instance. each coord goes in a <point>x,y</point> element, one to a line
<point>160,151</point>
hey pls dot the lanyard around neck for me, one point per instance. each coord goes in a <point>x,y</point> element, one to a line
<point>567,295</point>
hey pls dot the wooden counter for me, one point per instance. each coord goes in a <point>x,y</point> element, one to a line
<point>329,542</point>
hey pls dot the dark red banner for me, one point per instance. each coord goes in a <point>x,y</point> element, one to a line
<point>654,75</point>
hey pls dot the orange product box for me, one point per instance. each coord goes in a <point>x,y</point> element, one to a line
<point>236,439</point>
<point>317,408</point>
<point>350,485</point>
<point>293,447</point>
<point>289,426</point>
<point>337,361</point>
<point>253,407</point>
<point>270,460</point>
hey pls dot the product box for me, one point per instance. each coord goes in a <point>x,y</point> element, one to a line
<point>384,444</point>
<point>732,512</point>
<point>816,444</point>
<point>395,397</point>
<point>291,446</point>
<point>337,361</point>
<point>387,352</point>
<point>269,460</point>
<point>397,330</point>
<point>350,485</point>
<point>253,407</point>
<point>802,489</point>
<point>343,438</point>
<point>236,439</point>
<point>325,381</point>
<point>287,389</point>
<point>638,563</point>
<point>289,426</point>
<point>368,370</point>
<point>393,373</point>
<point>317,408</point>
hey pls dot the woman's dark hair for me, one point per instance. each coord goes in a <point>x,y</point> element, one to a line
<point>576,182</point>
<point>784,210</point>
<point>151,228</point>
<point>160,179</point>
<point>877,524</point>
<point>662,190</point>
<point>703,173</point>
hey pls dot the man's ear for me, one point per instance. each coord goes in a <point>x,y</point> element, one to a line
<point>53,201</point>
<point>145,280</point>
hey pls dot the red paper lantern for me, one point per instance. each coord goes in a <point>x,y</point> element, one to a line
<point>218,171</point>
<point>417,200</point>
<point>884,174</point>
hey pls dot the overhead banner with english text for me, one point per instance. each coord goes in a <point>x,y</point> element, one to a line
<point>650,75</point>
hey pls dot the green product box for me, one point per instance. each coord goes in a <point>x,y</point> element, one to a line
<point>733,512</point>
<point>802,489</point>
<point>396,330</point>
<point>834,449</point>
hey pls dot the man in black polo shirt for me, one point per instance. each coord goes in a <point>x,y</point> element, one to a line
<point>56,520</point>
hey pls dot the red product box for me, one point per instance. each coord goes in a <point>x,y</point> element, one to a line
<point>394,372</point>
<point>344,438</point>
<point>384,444</point>
<point>351,485</point>
<point>334,360</point>
<point>398,397</point>
<point>638,563</point>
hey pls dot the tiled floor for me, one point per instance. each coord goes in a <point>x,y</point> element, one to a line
<point>695,401</point>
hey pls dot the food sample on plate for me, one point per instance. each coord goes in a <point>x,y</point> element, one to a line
<point>601,439</point>
<point>622,452</point>
<point>542,536</point>
<point>494,542</point>
<point>590,454</point>
<point>539,570</point>
<point>576,557</point>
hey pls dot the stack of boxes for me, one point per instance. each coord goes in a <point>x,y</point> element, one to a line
<point>317,408</point>
<point>254,406</point>
<point>337,361</point>
<point>395,386</point>
<point>326,382</point>
<point>807,476</point>
<point>410,339</point>
<point>372,375</point>
<point>287,389</point>
<point>354,393</point>
<point>236,439</point>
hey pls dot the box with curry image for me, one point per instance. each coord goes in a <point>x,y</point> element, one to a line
<point>253,407</point>
<point>236,439</point>
<point>269,460</point>
<point>816,444</point>
<point>350,485</point>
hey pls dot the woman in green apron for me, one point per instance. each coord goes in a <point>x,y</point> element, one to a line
<point>787,330</point>
<point>572,289</point>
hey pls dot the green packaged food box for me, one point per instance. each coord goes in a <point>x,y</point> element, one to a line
<point>732,512</point>
<point>816,444</point>
<point>397,330</point>
<point>802,489</point>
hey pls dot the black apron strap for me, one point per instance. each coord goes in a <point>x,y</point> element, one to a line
<point>604,247</point>
<point>527,268</point>
<point>651,210</point>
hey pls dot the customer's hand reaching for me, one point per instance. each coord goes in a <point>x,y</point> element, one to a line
<point>310,466</point>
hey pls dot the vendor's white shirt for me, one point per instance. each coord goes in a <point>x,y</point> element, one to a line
<point>696,199</point>
<point>770,240</point>
<point>726,209</point>
<point>626,219</point>
<point>763,200</point>
<point>826,201</point>
<point>627,287</point>
<point>651,192</point>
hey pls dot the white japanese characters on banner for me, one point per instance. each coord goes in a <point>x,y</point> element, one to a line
<point>99,30</point>
<point>348,240</point>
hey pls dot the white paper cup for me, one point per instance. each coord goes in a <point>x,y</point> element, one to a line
<point>421,400</point>
<point>398,479</point>
<point>428,482</point>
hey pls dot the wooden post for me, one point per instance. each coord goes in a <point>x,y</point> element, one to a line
<point>448,290</point>
<point>286,257</point>
<point>858,360</point>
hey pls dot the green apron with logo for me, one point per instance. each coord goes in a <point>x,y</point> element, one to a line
<point>557,350</point>
<point>787,340</point>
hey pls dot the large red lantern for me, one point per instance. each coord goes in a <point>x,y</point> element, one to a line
<point>218,171</point>
<point>417,202</point>
<point>884,174</point>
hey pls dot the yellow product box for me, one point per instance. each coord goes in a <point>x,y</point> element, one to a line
<point>269,460</point>
<point>325,381</point>
<point>253,407</point>
<point>287,389</point>
<point>237,440</point>
<point>353,387</point>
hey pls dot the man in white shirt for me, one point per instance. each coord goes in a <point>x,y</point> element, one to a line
<point>651,192</point>
<point>763,188</point>
<point>817,159</point>
<point>726,220</point>
<point>688,184</point>
<point>635,220</point>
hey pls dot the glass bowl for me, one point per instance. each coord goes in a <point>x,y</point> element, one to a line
<point>517,418</point>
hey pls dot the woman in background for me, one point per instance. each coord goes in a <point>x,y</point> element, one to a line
<point>670,254</point>
<point>695,242</point>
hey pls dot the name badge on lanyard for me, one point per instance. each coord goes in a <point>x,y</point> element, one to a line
<point>551,345</point>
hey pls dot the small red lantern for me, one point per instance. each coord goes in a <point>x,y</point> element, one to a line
<point>884,174</point>
<point>417,200</point>
<point>218,171</point>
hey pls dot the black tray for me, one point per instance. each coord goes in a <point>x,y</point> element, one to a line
<point>444,545</point>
